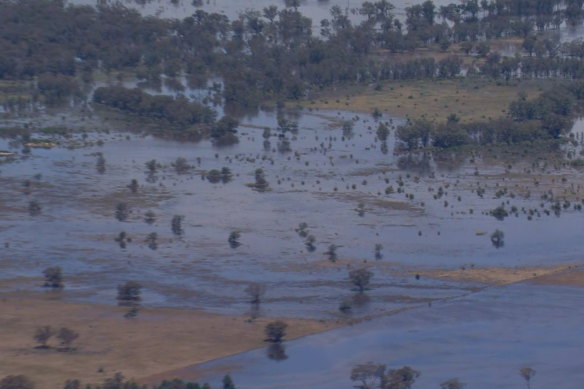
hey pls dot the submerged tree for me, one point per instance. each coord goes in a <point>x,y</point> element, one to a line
<point>122,212</point>
<point>261,184</point>
<point>53,277</point>
<point>233,239</point>
<point>133,186</point>
<point>100,163</point>
<point>256,292</point>
<point>152,241</point>
<point>150,217</point>
<point>181,166</point>
<point>527,373</point>
<point>309,243</point>
<point>34,208</point>
<point>129,294</point>
<point>378,248</point>
<point>498,238</point>
<point>382,132</point>
<point>331,253</point>
<point>360,278</point>
<point>368,375</point>
<point>228,382</point>
<point>453,383</point>
<point>176,225</point>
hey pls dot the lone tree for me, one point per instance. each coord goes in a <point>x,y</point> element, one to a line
<point>360,278</point>
<point>228,382</point>
<point>134,186</point>
<point>53,277</point>
<point>234,239</point>
<point>309,243</point>
<point>150,217</point>
<point>378,248</point>
<point>176,225</point>
<point>368,375</point>
<point>34,208</point>
<point>275,331</point>
<point>129,294</point>
<point>151,166</point>
<point>402,378</point>
<point>152,241</point>
<point>181,165</point>
<point>122,212</point>
<point>453,383</point>
<point>261,184</point>
<point>16,382</point>
<point>42,336</point>
<point>527,373</point>
<point>331,253</point>
<point>498,238</point>
<point>256,292</point>
<point>66,338</point>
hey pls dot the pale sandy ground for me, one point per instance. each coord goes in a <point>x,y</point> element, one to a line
<point>504,275</point>
<point>158,340</point>
<point>573,277</point>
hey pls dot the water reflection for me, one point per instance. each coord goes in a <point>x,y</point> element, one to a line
<point>277,352</point>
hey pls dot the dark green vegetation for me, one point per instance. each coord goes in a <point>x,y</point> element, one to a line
<point>377,376</point>
<point>547,117</point>
<point>276,331</point>
<point>270,55</point>
<point>118,381</point>
<point>179,112</point>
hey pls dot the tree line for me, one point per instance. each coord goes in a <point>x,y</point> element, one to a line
<point>269,54</point>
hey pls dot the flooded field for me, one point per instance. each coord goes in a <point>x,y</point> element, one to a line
<point>483,340</point>
<point>335,198</point>
<point>351,192</point>
<point>190,229</point>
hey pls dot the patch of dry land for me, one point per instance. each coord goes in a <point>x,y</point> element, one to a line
<point>471,99</point>
<point>572,277</point>
<point>158,340</point>
<point>500,275</point>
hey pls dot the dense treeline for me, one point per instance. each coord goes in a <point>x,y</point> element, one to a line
<point>178,111</point>
<point>272,53</point>
<point>189,119</point>
<point>547,117</point>
<point>118,381</point>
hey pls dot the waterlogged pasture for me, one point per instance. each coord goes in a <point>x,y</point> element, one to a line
<point>427,213</point>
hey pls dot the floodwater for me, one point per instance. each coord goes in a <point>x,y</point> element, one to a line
<point>483,339</point>
<point>315,9</point>
<point>336,185</point>
<point>427,211</point>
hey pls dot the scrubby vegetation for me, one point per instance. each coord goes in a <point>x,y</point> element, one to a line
<point>547,117</point>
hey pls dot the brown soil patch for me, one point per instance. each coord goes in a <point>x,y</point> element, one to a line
<point>158,340</point>
<point>573,277</point>
<point>495,275</point>
<point>471,99</point>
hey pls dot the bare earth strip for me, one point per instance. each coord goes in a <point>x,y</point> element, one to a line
<point>500,275</point>
<point>158,340</point>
